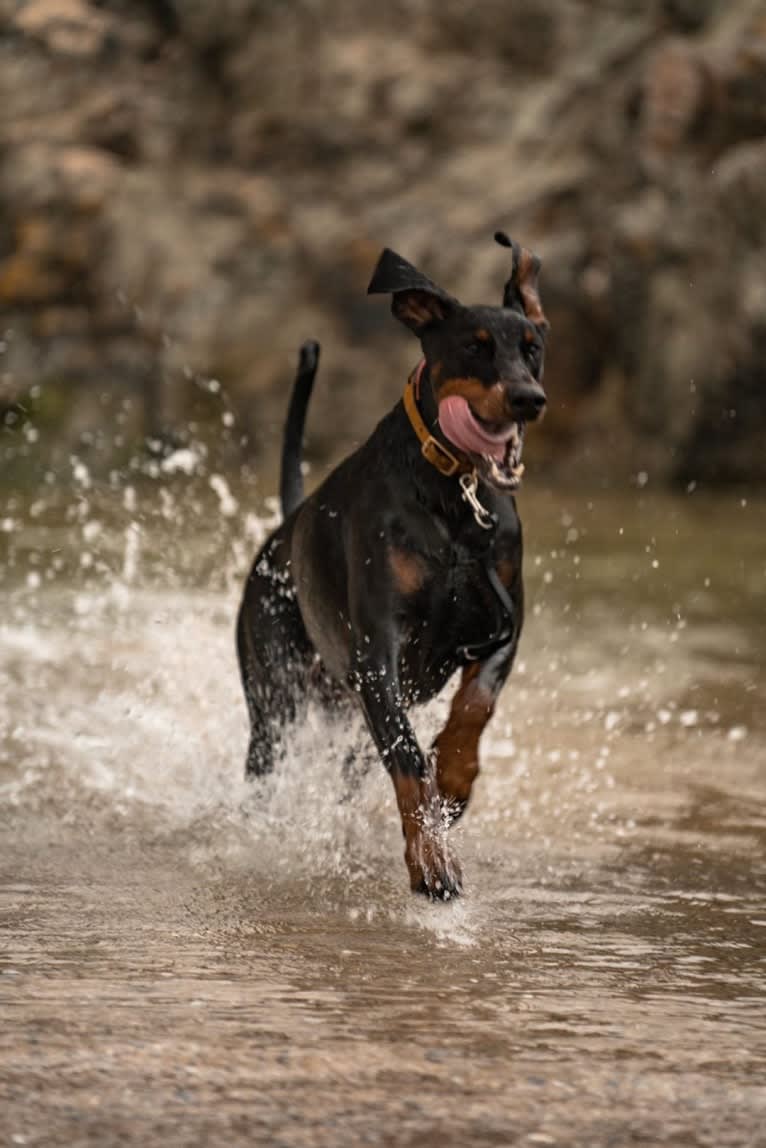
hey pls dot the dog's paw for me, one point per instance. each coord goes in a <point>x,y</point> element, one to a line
<point>434,872</point>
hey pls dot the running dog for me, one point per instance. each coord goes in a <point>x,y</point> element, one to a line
<point>404,566</point>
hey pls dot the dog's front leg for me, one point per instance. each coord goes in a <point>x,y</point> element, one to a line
<point>375,680</point>
<point>456,748</point>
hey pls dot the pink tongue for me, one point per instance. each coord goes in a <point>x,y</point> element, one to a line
<point>464,431</point>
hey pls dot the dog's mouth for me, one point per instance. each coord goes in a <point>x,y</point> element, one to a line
<point>505,471</point>
<point>496,447</point>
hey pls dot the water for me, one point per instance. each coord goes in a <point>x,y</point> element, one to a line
<point>186,959</point>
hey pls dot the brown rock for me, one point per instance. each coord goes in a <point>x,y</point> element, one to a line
<point>195,188</point>
<point>677,99</point>
<point>65,27</point>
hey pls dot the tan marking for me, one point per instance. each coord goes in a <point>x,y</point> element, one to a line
<point>506,571</point>
<point>425,850</point>
<point>488,402</point>
<point>483,336</point>
<point>410,570</point>
<point>529,336</point>
<point>526,277</point>
<point>417,307</point>
<point>457,746</point>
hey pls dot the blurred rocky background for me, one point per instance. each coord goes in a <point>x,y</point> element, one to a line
<point>188,189</point>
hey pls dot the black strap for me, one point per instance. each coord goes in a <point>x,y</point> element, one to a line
<point>476,651</point>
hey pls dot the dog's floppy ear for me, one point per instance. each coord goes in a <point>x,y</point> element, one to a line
<point>416,302</point>
<point>521,292</point>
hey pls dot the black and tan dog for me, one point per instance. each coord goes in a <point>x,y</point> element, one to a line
<point>404,566</point>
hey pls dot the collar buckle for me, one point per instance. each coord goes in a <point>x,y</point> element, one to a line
<point>438,455</point>
<point>433,451</point>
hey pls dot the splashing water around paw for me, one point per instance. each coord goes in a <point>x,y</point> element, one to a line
<point>613,857</point>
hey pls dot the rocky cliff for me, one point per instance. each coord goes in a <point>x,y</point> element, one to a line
<point>188,189</point>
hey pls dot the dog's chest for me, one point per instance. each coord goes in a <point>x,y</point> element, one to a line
<point>458,595</point>
<point>456,607</point>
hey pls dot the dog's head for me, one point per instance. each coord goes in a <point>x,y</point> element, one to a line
<point>485,363</point>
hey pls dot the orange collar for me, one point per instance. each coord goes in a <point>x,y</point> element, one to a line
<point>433,451</point>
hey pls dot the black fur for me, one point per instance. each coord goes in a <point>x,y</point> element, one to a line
<point>291,482</point>
<point>373,588</point>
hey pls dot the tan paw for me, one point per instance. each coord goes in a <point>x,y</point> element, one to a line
<point>433,870</point>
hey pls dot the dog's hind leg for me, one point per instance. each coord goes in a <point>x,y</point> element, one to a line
<point>274,678</point>
<point>275,655</point>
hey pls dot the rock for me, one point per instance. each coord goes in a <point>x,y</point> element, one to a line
<point>677,99</point>
<point>66,28</point>
<point>190,190</point>
<point>688,15</point>
<point>523,32</point>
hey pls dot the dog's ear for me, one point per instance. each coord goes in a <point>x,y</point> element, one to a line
<point>521,292</point>
<point>416,302</point>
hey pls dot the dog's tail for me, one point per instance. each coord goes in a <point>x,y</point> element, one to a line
<point>291,481</point>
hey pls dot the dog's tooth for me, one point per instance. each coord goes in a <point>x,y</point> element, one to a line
<point>517,471</point>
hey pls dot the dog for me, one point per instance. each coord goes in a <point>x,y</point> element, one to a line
<point>405,565</point>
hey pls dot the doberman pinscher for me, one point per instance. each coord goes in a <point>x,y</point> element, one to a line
<point>404,566</point>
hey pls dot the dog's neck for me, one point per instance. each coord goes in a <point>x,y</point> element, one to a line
<point>439,493</point>
<point>429,408</point>
<point>423,410</point>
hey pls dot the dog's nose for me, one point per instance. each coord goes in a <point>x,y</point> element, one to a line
<point>527,401</point>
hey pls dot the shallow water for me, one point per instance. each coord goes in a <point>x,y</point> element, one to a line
<point>189,960</point>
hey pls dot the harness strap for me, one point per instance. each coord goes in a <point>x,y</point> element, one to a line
<point>475,651</point>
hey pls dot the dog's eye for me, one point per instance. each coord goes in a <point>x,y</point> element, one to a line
<point>532,352</point>
<point>479,347</point>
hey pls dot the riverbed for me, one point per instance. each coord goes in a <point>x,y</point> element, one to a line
<point>188,959</point>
